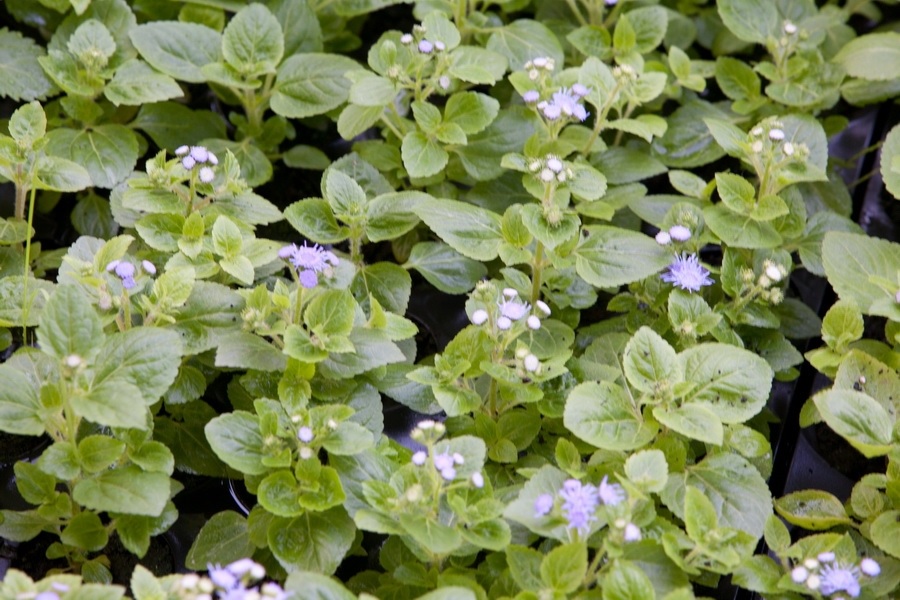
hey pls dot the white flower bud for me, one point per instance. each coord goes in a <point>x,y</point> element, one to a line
<point>663,238</point>
<point>444,82</point>
<point>148,266</point>
<point>788,149</point>
<point>870,567</point>
<point>547,176</point>
<point>542,306</point>
<point>504,323</point>
<point>680,233</point>
<point>478,481</point>
<point>540,62</point>
<point>776,134</point>
<point>73,360</point>
<point>306,453</point>
<point>826,556</point>
<point>425,47</point>
<point>774,273</point>
<point>458,458</point>
<point>510,292</point>
<point>212,159</point>
<point>199,154</point>
<point>531,363</point>
<point>533,322</point>
<point>811,564</point>
<point>182,150</point>
<point>756,147</point>
<point>632,533</point>
<point>790,28</point>
<point>419,458</point>
<point>439,45</point>
<point>426,424</point>
<point>207,174</point>
<point>448,473</point>
<point>479,316</point>
<point>554,164</point>
<point>756,131</point>
<point>813,582</point>
<point>406,38</point>
<point>112,266</point>
<point>799,574</point>
<point>188,162</point>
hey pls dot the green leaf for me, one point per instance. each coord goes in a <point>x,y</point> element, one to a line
<point>35,486</point>
<point>153,456</point>
<point>648,470</point>
<point>306,157</point>
<point>444,268</point>
<point>224,537</point>
<point>210,311</point>
<point>481,156</point>
<point>60,460</point>
<point>858,418</point>
<point>736,489</point>
<point>650,363</point>
<point>244,350</point>
<point>20,405</point>
<point>389,216</point>
<point>136,83</point>
<point>21,526</point>
<point>740,231</point>
<point>314,219</point>
<point>125,490</point>
<point>20,73</point>
<point>422,156</point>
<point>28,124</point>
<point>890,163</point>
<point>885,532</point>
<point>253,42</point>
<point>473,64</point>
<point>472,111</point>
<point>331,313</point>
<point>649,24</point>
<point>227,238</point>
<point>736,79</point>
<point>97,452</point>
<point>602,414</point>
<point>627,165</point>
<point>855,264</point>
<point>311,84</point>
<point>14,231</point>
<point>874,56</point>
<point>750,20</point>
<point>177,49</point>
<point>814,510</point>
<point>389,283</point>
<point>525,567</point>
<point>236,439</point>
<point>470,230</point>
<point>345,196</point>
<point>842,325</point>
<point>69,325</point>
<point>688,142</point>
<point>626,581</point>
<point>316,586</point>
<point>170,124</point>
<point>145,357</point>
<point>693,421</point>
<point>611,256</point>
<point>313,541</point>
<point>85,531</point>
<point>108,152</point>
<point>523,40</point>
<point>731,382</point>
<point>298,21</point>
<point>564,567</point>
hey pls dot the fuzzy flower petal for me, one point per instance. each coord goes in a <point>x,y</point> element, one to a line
<point>687,273</point>
<point>837,578</point>
<point>543,505</point>
<point>579,503</point>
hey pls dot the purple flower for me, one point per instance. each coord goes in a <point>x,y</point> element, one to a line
<point>579,503</point>
<point>124,270</point>
<point>567,101</point>
<point>425,47</point>
<point>836,578</point>
<point>687,273</point>
<point>610,493</point>
<point>305,434</point>
<point>543,505</point>
<point>309,261</point>
<point>222,577</point>
<point>513,309</point>
<point>531,96</point>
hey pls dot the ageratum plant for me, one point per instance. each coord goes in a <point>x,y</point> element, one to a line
<point>232,228</point>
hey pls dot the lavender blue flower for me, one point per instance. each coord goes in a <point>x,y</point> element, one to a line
<point>309,261</point>
<point>837,578</point>
<point>610,493</point>
<point>305,434</point>
<point>579,503</point>
<point>565,102</point>
<point>124,270</point>
<point>543,505</point>
<point>687,273</point>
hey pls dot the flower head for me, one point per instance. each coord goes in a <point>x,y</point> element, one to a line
<point>632,533</point>
<point>309,261</point>
<point>207,174</point>
<point>531,96</point>
<point>305,434</point>
<point>568,104</point>
<point>419,458</point>
<point>610,493</point>
<point>836,578</point>
<point>426,47</point>
<point>543,505</point>
<point>479,316</point>
<point>514,309</point>
<point>478,479</point>
<point>124,270</point>
<point>870,567</point>
<point>687,273</point>
<point>680,233</point>
<point>579,503</point>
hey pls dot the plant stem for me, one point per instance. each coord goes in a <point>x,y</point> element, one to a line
<point>26,303</point>
<point>537,268</point>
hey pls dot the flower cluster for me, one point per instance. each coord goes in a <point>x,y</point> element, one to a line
<point>536,66</point>
<point>678,233</point>
<point>771,134</point>
<point>511,309</point>
<point>125,271</point>
<point>828,576</point>
<point>236,581</point>
<point>193,156</point>
<point>550,169</point>
<point>763,286</point>
<point>309,262</point>
<point>578,504</point>
<point>444,463</point>
<point>566,102</point>
<point>687,273</point>
<point>423,44</point>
